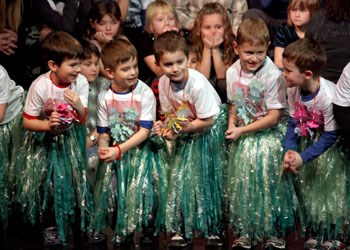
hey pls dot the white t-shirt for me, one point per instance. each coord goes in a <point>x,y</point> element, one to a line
<point>255,93</point>
<point>141,99</point>
<point>10,94</point>
<point>199,94</point>
<point>322,102</point>
<point>43,88</point>
<point>342,94</point>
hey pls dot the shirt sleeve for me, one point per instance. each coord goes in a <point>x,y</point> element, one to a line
<point>327,139</point>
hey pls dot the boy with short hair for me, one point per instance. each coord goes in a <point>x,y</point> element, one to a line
<point>256,93</point>
<point>195,122</point>
<point>53,149</point>
<point>311,140</point>
<point>126,112</point>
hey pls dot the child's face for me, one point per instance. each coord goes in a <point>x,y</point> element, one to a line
<point>67,72</point>
<point>252,56</point>
<point>124,75</point>
<point>292,74</point>
<point>174,65</point>
<point>108,25</point>
<point>162,22</point>
<point>212,25</point>
<point>192,60</point>
<point>299,17</point>
<point>90,68</point>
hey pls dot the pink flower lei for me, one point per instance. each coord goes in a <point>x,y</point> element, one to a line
<point>307,120</point>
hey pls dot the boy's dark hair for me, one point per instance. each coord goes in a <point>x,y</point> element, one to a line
<point>170,41</point>
<point>117,51</point>
<point>89,49</point>
<point>306,54</point>
<point>59,46</point>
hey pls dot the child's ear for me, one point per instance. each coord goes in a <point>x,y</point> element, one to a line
<point>109,73</point>
<point>308,74</point>
<point>235,47</point>
<point>52,65</point>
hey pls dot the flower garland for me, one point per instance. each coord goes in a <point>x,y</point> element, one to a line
<point>308,119</point>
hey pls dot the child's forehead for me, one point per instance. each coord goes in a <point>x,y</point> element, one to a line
<point>162,12</point>
<point>253,45</point>
<point>170,55</point>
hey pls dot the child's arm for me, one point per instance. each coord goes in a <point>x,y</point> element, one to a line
<point>74,100</point>
<point>37,125</point>
<point>151,63</point>
<point>197,125</point>
<point>278,51</point>
<point>268,121</point>
<point>232,117</point>
<point>3,107</point>
<point>110,154</point>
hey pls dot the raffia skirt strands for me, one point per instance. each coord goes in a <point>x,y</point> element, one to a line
<point>262,201</point>
<point>53,169</point>
<point>196,182</point>
<point>325,191</point>
<point>131,193</point>
<point>9,135</point>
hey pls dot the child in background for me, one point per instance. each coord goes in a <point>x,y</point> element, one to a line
<point>193,55</point>
<point>196,124</point>
<point>324,177</point>
<point>260,200</point>
<point>212,34</point>
<point>126,112</point>
<point>11,106</point>
<point>105,21</point>
<point>52,152</point>
<point>90,69</point>
<point>160,17</point>
<point>341,104</point>
<point>299,15</point>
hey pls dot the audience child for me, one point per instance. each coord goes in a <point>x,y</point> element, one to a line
<point>260,201</point>
<point>311,140</point>
<point>299,14</point>
<point>213,35</point>
<point>160,17</point>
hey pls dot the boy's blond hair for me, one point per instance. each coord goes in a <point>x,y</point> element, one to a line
<point>116,52</point>
<point>253,31</point>
<point>306,54</point>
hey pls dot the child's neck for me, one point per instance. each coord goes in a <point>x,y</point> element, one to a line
<point>311,86</point>
<point>58,81</point>
<point>121,89</point>
<point>300,30</point>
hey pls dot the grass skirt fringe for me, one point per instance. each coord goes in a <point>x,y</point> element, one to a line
<point>53,168</point>
<point>325,191</point>
<point>196,182</point>
<point>131,193</point>
<point>8,135</point>
<point>262,202</point>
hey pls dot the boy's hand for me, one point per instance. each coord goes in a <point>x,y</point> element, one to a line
<point>54,120</point>
<point>233,133</point>
<point>292,161</point>
<point>108,154</point>
<point>158,127</point>
<point>73,99</point>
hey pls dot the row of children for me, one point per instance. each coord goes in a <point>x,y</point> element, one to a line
<point>221,164</point>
